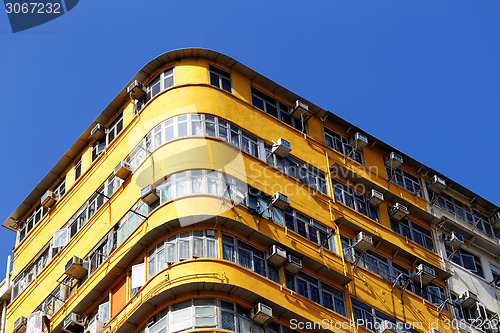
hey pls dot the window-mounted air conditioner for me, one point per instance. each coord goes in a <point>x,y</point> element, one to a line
<point>293,264</point>
<point>424,275</point>
<point>281,148</point>
<point>300,109</point>
<point>136,89</point>
<point>123,170</point>
<point>388,327</point>
<point>75,268</point>
<point>394,160</point>
<point>496,219</point>
<point>398,211</point>
<point>149,194</point>
<point>49,199</point>
<point>359,141</point>
<point>375,198</point>
<point>98,132</point>
<point>276,255</point>
<point>73,323</point>
<point>454,240</point>
<point>280,201</point>
<point>96,327</point>
<point>437,184</point>
<point>433,330</point>
<point>262,314</point>
<point>468,299</point>
<point>362,241</point>
<point>20,325</point>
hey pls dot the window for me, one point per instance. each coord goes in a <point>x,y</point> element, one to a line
<point>131,290</point>
<point>112,131</point>
<point>203,124</point>
<point>309,228</point>
<point>97,148</point>
<point>275,108</point>
<point>414,232</point>
<point>65,234</point>
<point>464,213</point>
<point>131,220</point>
<point>78,168</point>
<point>391,271</point>
<point>371,318</point>
<point>317,291</point>
<point>375,262</point>
<point>33,218</point>
<point>161,82</point>
<point>60,188</point>
<point>220,78</point>
<point>218,183</point>
<point>249,257</point>
<point>185,245</point>
<point>477,315</point>
<point>114,128</point>
<point>353,199</point>
<point>404,179</point>
<point>207,313</point>
<point>342,145</point>
<point>467,260</point>
<point>495,271</point>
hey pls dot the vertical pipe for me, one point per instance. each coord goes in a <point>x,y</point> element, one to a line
<point>4,302</point>
<point>4,316</point>
<point>7,272</point>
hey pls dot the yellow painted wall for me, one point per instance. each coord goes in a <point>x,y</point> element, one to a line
<point>190,94</point>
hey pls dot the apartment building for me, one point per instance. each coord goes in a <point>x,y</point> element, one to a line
<point>207,197</point>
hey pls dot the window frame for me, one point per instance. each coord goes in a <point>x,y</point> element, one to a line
<point>220,75</point>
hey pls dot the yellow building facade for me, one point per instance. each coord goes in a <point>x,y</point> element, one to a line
<point>207,197</point>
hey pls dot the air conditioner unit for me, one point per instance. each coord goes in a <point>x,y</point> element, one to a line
<point>281,148</point>
<point>73,323</point>
<point>75,268</point>
<point>359,141</point>
<point>20,325</point>
<point>276,255</point>
<point>280,201</point>
<point>468,299</point>
<point>123,170</point>
<point>454,240</point>
<point>300,109</point>
<point>98,132</point>
<point>394,160</point>
<point>496,219</point>
<point>293,264</point>
<point>424,275</point>
<point>362,241</point>
<point>262,314</point>
<point>437,184</point>
<point>388,327</point>
<point>49,199</point>
<point>136,89</point>
<point>96,327</point>
<point>398,211</point>
<point>433,330</point>
<point>149,195</point>
<point>375,198</point>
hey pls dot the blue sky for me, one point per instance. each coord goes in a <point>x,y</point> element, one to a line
<point>424,76</point>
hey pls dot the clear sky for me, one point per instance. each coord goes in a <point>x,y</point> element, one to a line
<point>422,75</point>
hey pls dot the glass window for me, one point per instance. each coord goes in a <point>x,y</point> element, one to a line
<point>354,200</point>
<point>220,78</point>
<point>275,108</point>
<point>342,145</point>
